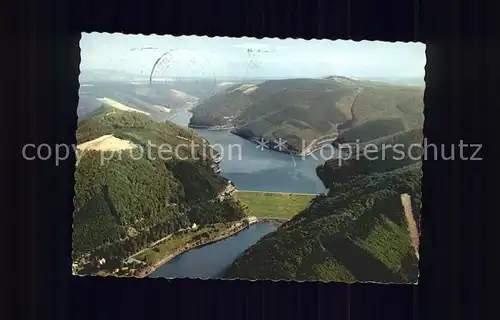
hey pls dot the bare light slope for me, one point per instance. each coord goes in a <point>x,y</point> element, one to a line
<point>127,202</point>
<point>118,105</point>
<point>106,143</point>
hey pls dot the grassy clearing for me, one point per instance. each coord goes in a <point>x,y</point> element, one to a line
<point>182,242</point>
<point>356,232</point>
<point>274,205</point>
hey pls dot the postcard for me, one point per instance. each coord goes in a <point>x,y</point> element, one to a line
<point>242,158</point>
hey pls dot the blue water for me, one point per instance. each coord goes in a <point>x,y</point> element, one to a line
<point>243,163</point>
<point>212,260</point>
<point>250,168</point>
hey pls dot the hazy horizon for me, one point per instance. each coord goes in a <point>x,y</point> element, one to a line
<point>145,76</point>
<point>194,56</point>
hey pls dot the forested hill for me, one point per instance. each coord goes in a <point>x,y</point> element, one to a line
<point>299,110</point>
<point>355,232</point>
<point>125,201</point>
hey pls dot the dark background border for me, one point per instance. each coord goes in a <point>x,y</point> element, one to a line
<point>457,200</point>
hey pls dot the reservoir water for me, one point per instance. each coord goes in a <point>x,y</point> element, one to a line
<point>249,168</point>
<point>246,165</point>
<point>212,260</point>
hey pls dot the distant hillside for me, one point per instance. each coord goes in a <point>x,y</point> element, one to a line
<point>158,100</point>
<point>392,158</point>
<point>98,75</point>
<point>126,201</point>
<point>413,81</point>
<point>299,110</point>
<point>355,232</point>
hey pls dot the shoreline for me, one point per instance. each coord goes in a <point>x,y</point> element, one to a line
<point>186,248</point>
<point>278,192</point>
<point>255,140</point>
<point>274,221</point>
<point>234,131</point>
<point>304,153</point>
<point>210,128</point>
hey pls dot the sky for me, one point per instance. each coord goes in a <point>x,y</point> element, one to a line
<point>193,56</point>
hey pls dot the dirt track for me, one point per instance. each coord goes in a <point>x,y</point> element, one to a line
<point>412,225</point>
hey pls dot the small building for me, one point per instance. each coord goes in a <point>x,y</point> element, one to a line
<point>194,226</point>
<point>101,261</point>
<point>251,219</point>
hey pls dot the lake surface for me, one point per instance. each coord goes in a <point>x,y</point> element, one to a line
<point>251,168</point>
<point>246,165</point>
<point>212,260</point>
<point>243,163</point>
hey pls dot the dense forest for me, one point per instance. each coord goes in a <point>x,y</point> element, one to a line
<point>298,110</point>
<point>357,231</point>
<point>392,153</point>
<point>129,201</point>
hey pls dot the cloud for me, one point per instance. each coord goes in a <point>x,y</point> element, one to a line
<point>252,45</point>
